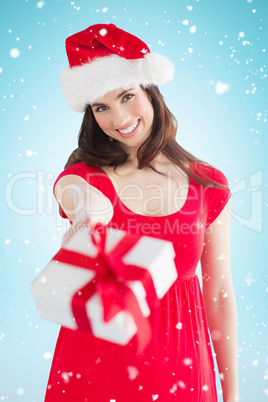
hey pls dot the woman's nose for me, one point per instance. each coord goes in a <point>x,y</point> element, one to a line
<point>120,117</point>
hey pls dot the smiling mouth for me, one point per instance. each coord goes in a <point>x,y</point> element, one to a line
<point>129,129</point>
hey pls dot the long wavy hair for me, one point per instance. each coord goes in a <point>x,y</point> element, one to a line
<point>95,148</point>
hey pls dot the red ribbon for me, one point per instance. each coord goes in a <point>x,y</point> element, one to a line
<point>110,282</point>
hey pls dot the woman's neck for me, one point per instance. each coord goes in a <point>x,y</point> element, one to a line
<point>159,161</point>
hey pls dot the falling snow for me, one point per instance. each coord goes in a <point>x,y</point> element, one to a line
<point>103,32</point>
<point>40,4</point>
<point>193,29</point>
<point>133,372</point>
<point>173,389</point>
<point>65,377</point>
<point>179,325</point>
<point>43,279</point>
<point>249,279</point>
<point>47,355</point>
<point>14,53</point>
<point>221,87</point>
<point>187,361</point>
<point>30,153</point>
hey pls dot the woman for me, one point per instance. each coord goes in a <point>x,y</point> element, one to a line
<point>129,173</point>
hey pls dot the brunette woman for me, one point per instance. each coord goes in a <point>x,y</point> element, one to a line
<point>129,173</point>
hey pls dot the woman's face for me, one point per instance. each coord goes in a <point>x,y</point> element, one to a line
<point>125,115</point>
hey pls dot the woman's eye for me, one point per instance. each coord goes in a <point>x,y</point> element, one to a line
<point>101,108</point>
<point>127,97</point>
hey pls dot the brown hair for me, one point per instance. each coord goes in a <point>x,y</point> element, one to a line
<point>95,148</point>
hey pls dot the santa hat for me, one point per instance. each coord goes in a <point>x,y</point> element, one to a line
<point>103,58</point>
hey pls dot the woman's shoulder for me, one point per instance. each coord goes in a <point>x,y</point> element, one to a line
<point>80,166</point>
<point>87,172</point>
<point>210,171</point>
<point>83,170</point>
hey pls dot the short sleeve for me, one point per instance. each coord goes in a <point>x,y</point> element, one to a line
<point>80,169</point>
<point>217,198</point>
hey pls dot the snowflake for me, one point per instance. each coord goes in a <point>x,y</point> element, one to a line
<point>193,29</point>
<point>14,53</point>
<point>133,372</point>
<point>47,355</point>
<point>221,87</point>
<point>40,4</point>
<point>103,32</point>
<point>179,325</point>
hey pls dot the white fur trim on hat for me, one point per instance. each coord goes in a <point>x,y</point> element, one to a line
<point>84,84</point>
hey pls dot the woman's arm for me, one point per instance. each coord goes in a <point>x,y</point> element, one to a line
<point>81,201</point>
<point>219,301</point>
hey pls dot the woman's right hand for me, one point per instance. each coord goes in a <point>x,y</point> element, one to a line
<point>82,202</point>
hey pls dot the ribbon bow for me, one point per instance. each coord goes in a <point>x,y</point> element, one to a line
<point>111,284</point>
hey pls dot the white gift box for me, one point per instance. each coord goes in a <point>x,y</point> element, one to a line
<point>56,285</point>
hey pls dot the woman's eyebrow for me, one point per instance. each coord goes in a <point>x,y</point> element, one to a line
<point>124,92</point>
<point>118,96</point>
<point>98,104</point>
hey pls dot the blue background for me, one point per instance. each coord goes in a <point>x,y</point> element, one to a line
<point>39,131</point>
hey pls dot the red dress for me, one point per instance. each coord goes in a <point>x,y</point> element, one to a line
<point>177,365</point>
